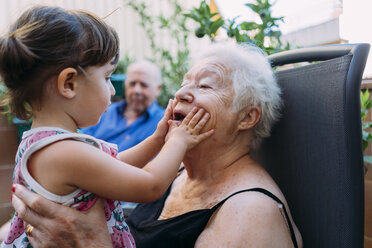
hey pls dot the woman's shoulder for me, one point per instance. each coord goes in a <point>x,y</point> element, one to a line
<point>248,217</point>
<point>252,211</point>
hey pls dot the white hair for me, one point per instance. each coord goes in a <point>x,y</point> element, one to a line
<point>253,81</point>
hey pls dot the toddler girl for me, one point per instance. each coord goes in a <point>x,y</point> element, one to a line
<point>57,66</point>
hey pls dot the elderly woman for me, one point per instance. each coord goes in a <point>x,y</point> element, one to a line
<point>221,197</point>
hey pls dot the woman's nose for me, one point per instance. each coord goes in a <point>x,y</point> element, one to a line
<point>184,94</point>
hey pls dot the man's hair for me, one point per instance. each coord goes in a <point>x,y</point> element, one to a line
<point>45,40</point>
<point>147,65</point>
<point>253,82</point>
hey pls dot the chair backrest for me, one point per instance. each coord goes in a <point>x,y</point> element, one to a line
<point>315,150</point>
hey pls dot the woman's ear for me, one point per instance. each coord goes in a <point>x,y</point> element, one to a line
<point>66,82</point>
<point>249,118</point>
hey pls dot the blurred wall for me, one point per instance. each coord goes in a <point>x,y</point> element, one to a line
<point>8,149</point>
<point>133,40</point>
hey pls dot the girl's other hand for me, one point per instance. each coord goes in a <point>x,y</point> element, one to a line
<point>162,128</point>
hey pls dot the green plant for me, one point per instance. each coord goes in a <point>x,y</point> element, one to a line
<point>172,61</point>
<point>5,110</point>
<point>123,64</point>
<point>204,17</point>
<point>265,33</point>
<point>366,105</point>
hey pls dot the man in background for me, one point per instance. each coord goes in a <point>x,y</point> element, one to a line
<point>130,121</point>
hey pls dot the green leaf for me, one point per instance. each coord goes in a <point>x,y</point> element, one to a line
<point>194,14</point>
<point>253,7</point>
<point>207,9</point>
<point>366,125</point>
<point>216,13</point>
<point>216,25</point>
<point>368,104</point>
<point>237,35</point>
<point>364,97</point>
<point>272,33</point>
<point>367,159</point>
<point>365,144</point>
<point>248,26</point>
<point>366,136</point>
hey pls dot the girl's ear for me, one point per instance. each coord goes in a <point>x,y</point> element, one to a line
<point>249,118</point>
<point>66,82</point>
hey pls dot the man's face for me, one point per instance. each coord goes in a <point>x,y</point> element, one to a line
<point>141,89</point>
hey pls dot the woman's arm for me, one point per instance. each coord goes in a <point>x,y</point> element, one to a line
<point>60,226</point>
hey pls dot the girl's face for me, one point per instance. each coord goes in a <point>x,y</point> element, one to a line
<point>95,92</point>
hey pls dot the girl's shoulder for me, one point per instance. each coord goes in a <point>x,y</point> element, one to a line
<point>53,134</point>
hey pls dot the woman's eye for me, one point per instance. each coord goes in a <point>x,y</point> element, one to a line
<point>204,86</point>
<point>108,79</point>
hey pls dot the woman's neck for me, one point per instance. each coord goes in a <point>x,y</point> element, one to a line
<point>207,164</point>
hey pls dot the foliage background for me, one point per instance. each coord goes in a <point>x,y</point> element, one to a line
<point>174,61</point>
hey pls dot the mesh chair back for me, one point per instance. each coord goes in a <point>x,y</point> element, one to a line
<point>315,151</point>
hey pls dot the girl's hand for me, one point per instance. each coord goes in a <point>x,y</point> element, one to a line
<point>189,130</point>
<point>162,128</point>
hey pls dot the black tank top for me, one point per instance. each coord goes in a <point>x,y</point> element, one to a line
<point>180,231</point>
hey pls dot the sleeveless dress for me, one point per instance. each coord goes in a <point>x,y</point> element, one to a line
<point>80,199</point>
<point>183,230</point>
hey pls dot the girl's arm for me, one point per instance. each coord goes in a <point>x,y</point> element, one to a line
<point>4,229</point>
<point>142,153</point>
<point>67,164</point>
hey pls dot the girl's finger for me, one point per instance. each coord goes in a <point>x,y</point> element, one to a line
<point>202,122</point>
<point>172,124</point>
<point>189,116</point>
<point>170,104</point>
<point>168,111</point>
<point>205,135</point>
<point>196,118</point>
<point>174,103</point>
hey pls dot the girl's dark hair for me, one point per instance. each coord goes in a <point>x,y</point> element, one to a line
<point>45,40</point>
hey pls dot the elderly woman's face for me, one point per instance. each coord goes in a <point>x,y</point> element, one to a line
<point>207,85</point>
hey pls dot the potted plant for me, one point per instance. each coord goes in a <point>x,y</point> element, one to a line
<point>264,34</point>
<point>21,125</point>
<point>366,105</point>
<point>118,77</point>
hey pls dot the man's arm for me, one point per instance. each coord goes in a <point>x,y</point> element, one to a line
<point>60,226</point>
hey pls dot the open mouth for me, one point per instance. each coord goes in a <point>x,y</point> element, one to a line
<point>178,116</point>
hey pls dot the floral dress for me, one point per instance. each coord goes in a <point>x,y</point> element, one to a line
<point>80,199</point>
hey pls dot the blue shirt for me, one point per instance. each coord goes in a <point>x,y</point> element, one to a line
<point>113,126</point>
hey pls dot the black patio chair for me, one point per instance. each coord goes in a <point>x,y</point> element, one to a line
<point>315,151</point>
